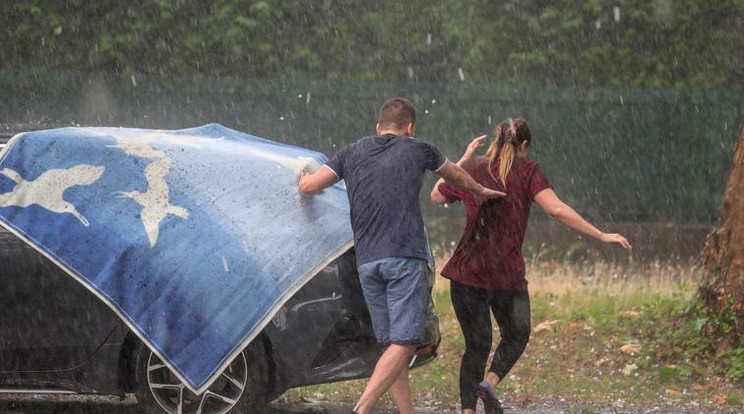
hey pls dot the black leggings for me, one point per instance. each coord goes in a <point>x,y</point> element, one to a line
<point>512,312</point>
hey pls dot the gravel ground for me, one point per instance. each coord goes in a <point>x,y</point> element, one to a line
<point>73,404</point>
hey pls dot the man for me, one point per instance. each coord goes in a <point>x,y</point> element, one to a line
<point>384,174</point>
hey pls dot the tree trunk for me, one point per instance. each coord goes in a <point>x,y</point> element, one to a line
<point>722,288</point>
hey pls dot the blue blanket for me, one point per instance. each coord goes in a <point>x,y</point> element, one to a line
<point>195,237</point>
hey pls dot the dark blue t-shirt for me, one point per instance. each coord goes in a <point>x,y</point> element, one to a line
<point>383,177</point>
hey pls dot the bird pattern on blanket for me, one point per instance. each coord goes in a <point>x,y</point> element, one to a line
<point>155,201</point>
<point>190,236</point>
<point>47,191</point>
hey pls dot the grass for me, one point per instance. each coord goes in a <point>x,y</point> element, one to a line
<point>583,315</point>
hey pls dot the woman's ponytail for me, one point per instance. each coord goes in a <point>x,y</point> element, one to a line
<point>507,137</point>
<point>506,160</point>
<point>493,150</point>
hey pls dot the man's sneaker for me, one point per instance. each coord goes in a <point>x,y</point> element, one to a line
<point>491,403</point>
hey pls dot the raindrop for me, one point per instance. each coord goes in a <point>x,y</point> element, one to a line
<point>433,101</point>
<point>299,96</point>
<point>489,120</point>
<point>281,118</point>
<point>428,38</point>
<point>426,111</point>
<point>616,13</point>
<point>307,99</point>
<point>134,81</point>
<point>598,24</point>
<point>461,74</point>
<point>410,72</point>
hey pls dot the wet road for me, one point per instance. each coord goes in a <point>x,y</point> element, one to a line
<point>99,405</point>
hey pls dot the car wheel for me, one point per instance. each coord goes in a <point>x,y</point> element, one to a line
<point>241,388</point>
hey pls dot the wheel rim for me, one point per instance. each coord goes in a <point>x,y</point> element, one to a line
<point>173,396</point>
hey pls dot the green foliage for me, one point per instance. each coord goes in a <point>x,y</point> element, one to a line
<point>677,374</point>
<point>689,332</point>
<point>683,337</point>
<point>659,43</point>
<point>734,360</point>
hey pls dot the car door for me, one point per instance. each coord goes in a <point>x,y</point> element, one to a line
<point>316,329</point>
<point>48,320</point>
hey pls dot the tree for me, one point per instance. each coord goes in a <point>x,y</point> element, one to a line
<point>658,43</point>
<point>723,257</point>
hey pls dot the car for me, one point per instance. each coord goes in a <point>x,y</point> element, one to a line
<point>58,337</point>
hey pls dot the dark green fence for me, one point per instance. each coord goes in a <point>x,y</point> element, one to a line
<point>616,154</point>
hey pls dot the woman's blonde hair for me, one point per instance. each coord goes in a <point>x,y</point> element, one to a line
<point>507,137</point>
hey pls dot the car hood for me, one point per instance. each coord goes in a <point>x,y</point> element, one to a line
<point>194,237</point>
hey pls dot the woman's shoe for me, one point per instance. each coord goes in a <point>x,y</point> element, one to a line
<point>491,403</point>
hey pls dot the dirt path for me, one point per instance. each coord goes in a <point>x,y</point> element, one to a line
<point>31,406</point>
<point>546,407</point>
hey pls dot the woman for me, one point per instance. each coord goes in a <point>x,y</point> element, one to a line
<point>487,269</point>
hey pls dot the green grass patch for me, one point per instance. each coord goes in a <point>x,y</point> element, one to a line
<point>627,338</point>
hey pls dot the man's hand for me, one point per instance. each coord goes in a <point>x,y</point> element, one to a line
<point>616,239</point>
<point>457,177</point>
<point>481,198</point>
<point>318,181</point>
<point>487,193</point>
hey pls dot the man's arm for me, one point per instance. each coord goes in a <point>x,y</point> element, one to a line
<point>316,182</point>
<point>457,177</point>
<point>439,198</point>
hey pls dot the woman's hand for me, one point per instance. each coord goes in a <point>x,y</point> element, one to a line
<point>472,148</point>
<point>614,238</point>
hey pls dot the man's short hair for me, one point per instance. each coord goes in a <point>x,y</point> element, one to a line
<point>397,113</point>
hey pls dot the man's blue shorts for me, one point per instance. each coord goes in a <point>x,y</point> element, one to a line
<point>397,294</point>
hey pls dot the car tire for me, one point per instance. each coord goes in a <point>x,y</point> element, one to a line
<point>242,388</point>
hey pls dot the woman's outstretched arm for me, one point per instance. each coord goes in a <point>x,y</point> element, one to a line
<point>562,212</point>
<point>436,196</point>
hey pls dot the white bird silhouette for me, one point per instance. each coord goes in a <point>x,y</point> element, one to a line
<point>296,164</point>
<point>48,189</point>
<point>139,146</point>
<point>155,202</point>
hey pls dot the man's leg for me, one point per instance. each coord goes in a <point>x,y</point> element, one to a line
<point>387,371</point>
<point>405,304</point>
<point>402,393</point>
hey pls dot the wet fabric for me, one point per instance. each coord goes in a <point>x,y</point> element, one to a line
<point>383,175</point>
<point>489,253</point>
<point>473,307</point>
<point>195,237</point>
